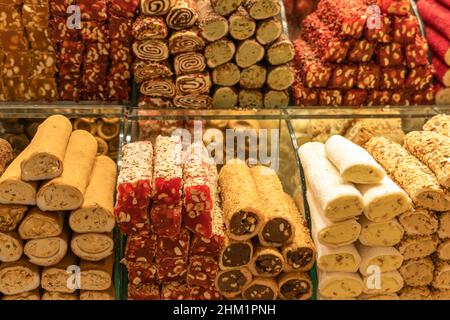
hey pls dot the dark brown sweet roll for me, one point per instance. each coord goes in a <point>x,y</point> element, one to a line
<point>154,50</point>
<point>276,99</point>
<point>156,7</point>
<point>251,98</point>
<point>225,97</point>
<point>182,15</point>
<point>193,101</point>
<point>151,27</point>
<point>280,77</point>
<point>186,41</point>
<point>231,282</point>
<point>160,87</point>
<point>235,254</point>
<point>189,62</point>
<point>253,77</point>
<point>144,70</point>
<point>261,289</point>
<point>295,286</point>
<point>267,262</point>
<point>242,26</point>
<point>196,83</point>
<point>213,26</point>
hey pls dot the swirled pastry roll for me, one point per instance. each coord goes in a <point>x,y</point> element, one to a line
<point>156,7</point>
<point>183,14</point>
<point>149,27</point>
<point>193,101</point>
<point>96,275</point>
<point>159,87</point>
<point>196,83</point>
<point>92,246</point>
<point>10,216</point>
<point>186,41</point>
<point>413,247</point>
<point>11,246</point>
<point>154,50</point>
<point>40,224</point>
<point>420,221</point>
<point>145,70</point>
<point>59,278</point>
<point>189,62</point>
<point>19,277</point>
<point>417,272</point>
<point>47,251</point>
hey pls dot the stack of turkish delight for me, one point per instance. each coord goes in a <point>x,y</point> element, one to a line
<point>173,244</point>
<point>362,52</point>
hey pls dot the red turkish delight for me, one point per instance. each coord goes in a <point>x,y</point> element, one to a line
<point>200,187</point>
<point>175,291</point>
<point>395,7</point>
<point>381,30</point>
<point>405,29</point>
<point>141,272</point>
<point>304,96</point>
<point>60,32</point>
<point>177,247</point>
<point>143,291</point>
<point>355,98</point>
<point>92,9</point>
<point>132,220</point>
<point>141,248</point>
<point>328,97</point>
<point>419,78</point>
<point>118,90</point>
<point>166,219</point>
<point>123,8</point>
<point>343,77</point>
<point>313,73</point>
<point>43,88</point>
<point>120,52</point>
<point>69,89</point>
<point>59,7</point>
<point>96,53</point>
<point>417,53</point>
<point>94,31</point>
<point>202,293</point>
<point>379,98</point>
<point>94,77</point>
<point>120,71</point>
<point>71,52</point>
<point>390,55</point>
<point>423,97</point>
<point>120,29</point>
<point>392,78</point>
<point>35,16</point>
<point>399,98</point>
<point>368,76</point>
<point>168,170</point>
<point>202,271</point>
<point>172,270</point>
<point>361,51</point>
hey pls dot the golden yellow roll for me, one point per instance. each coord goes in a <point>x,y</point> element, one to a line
<point>47,251</point>
<point>39,224</point>
<point>108,294</point>
<point>96,214</point>
<point>92,246</point>
<point>11,246</point>
<point>47,149</point>
<point>67,191</point>
<point>29,295</point>
<point>240,201</point>
<point>61,277</point>
<point>19,277</point>
<point>96,275</point>
<point>59,296</point>
<point>10,216</point>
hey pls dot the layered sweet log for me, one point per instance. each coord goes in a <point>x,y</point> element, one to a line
<point>156,7</point>
<point>195,84</point>
<point>213,26</point>
<point>152,27</point>
<point>186,41</point>
<point>189,62</point>
<point>145,70</point>
<point>154,50</point>
<point>158,87</point>
<point>183,14</point>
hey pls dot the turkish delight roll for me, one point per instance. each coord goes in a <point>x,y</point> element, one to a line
<point>189,62</point>
<point>231,282</point>
<point>341,259</point>
<point>168,174</point>
<point>29,295</point>
<point>267,262</point>
<point>98,295</point>
<point>11,246</point>
<point>97,211</point>
<point>412,175</point>
<point>380,234</point>
<point>66,192</point>
<point>279,223</point>
<point>13,190</point>
<point>268,30</point>
<point>415,293</point>
<point>193,101</point>
<point>47,251</point>
<point>242,26</point>
<point>196,83</point>
<point>145,70</point>
<point>96,275</point>
<point>202,271</point>
<point>431,148</point>
<point>224,97</point>
<point>414,247</point>
<point>159,87</point>
<point>212,25</point>
<point>59,278</point>
<point>353,162</point>
<point>295,286</point>
<point>143,292</point>
<point>183,14</point>
<point>444,225</point>
<point>134,182</point>
<point>18,277</point>
<point>248,53</point>
<point>253,77</point>
<point>47,149</point>
<point>241,203</point>
<point>340,284</point>
<point>443,250</point>
<point>227,74</point>
<point>440,124</point>
<point>384,201</point>
<point>235,254</point>
<point>149,27</point>
<point>10,216</point>
<point>141,248</point>
<point>251,98</point>
<point>92,246</point>
<point>332,234</point>
<point>385,258</point>
<point>220,52</point>
<point>417,272</point>
<point>225,7</point>
<point>261,289</point>
<point>339,200</point>
<point>186,41</point>
<point>156,7</point>
<point>59,296</point>
<point>262,9</point>
<point>299,255</point>
<point>388,282</point>
<point>40,224</point>
<point>419,221</point>
<point>281,51</point>
<point>154,50</point>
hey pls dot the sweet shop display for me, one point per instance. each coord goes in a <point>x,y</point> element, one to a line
<point>48,227</point>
